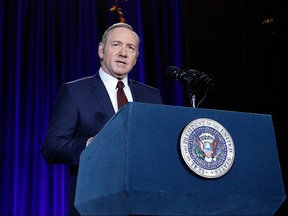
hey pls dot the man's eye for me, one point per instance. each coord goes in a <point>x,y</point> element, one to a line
<point>131,48</point>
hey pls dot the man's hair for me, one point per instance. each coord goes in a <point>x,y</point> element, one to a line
<point>118,25</point>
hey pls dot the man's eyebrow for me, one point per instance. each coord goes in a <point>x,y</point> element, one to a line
<point>128,44</point>
<point>116,41</point>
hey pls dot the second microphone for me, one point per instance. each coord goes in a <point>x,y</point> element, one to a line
<point>188,77</point>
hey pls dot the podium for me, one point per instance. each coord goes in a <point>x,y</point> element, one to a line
<point>134,166</point>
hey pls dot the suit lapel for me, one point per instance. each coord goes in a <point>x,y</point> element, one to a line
<point>134,91</point>
<point>102,95</point>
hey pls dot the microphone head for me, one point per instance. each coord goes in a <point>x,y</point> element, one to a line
<point>179,74</point>
<point>200,76</point>
<point>173,72</point>
<point>204,77</point>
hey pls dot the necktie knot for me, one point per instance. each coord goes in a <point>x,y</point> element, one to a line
<point>120,85</point>
<point>121,97</point>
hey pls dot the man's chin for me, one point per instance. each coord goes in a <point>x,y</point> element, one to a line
<point>121,75</point>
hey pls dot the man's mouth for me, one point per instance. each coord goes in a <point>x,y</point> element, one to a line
<point>121,62</point>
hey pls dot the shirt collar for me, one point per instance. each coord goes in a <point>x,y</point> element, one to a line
<point>111,81</point>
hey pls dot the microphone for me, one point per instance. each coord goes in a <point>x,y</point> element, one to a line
<point>180,75</point>
<point>201,76</point>
<point>191,79</point>
<point>189,76</point>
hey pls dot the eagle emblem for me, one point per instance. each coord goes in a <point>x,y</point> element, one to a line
<point>206,147</point>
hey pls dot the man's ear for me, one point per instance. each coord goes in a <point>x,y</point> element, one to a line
<point>100,50</point>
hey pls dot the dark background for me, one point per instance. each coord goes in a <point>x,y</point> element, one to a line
<point>246,58</point>
<point>241,44</point>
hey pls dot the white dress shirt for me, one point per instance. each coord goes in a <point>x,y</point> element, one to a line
<point>110,84</point>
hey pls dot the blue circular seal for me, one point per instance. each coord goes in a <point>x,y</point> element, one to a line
<point>207,148</point>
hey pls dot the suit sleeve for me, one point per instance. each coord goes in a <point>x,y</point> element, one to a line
<point>61,146</point>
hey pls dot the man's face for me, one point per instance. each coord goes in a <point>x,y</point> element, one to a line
<point>120,52</point>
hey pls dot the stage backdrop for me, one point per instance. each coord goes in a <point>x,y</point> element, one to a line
<point>44,43</point>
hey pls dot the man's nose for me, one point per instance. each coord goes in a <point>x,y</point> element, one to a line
<point>123,52</point>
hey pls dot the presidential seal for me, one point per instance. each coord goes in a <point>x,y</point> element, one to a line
<point>207,148</point>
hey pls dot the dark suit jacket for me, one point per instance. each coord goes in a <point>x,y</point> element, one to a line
<point>81,110</point>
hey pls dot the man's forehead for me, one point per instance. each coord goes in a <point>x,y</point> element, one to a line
<point>129,36</point>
